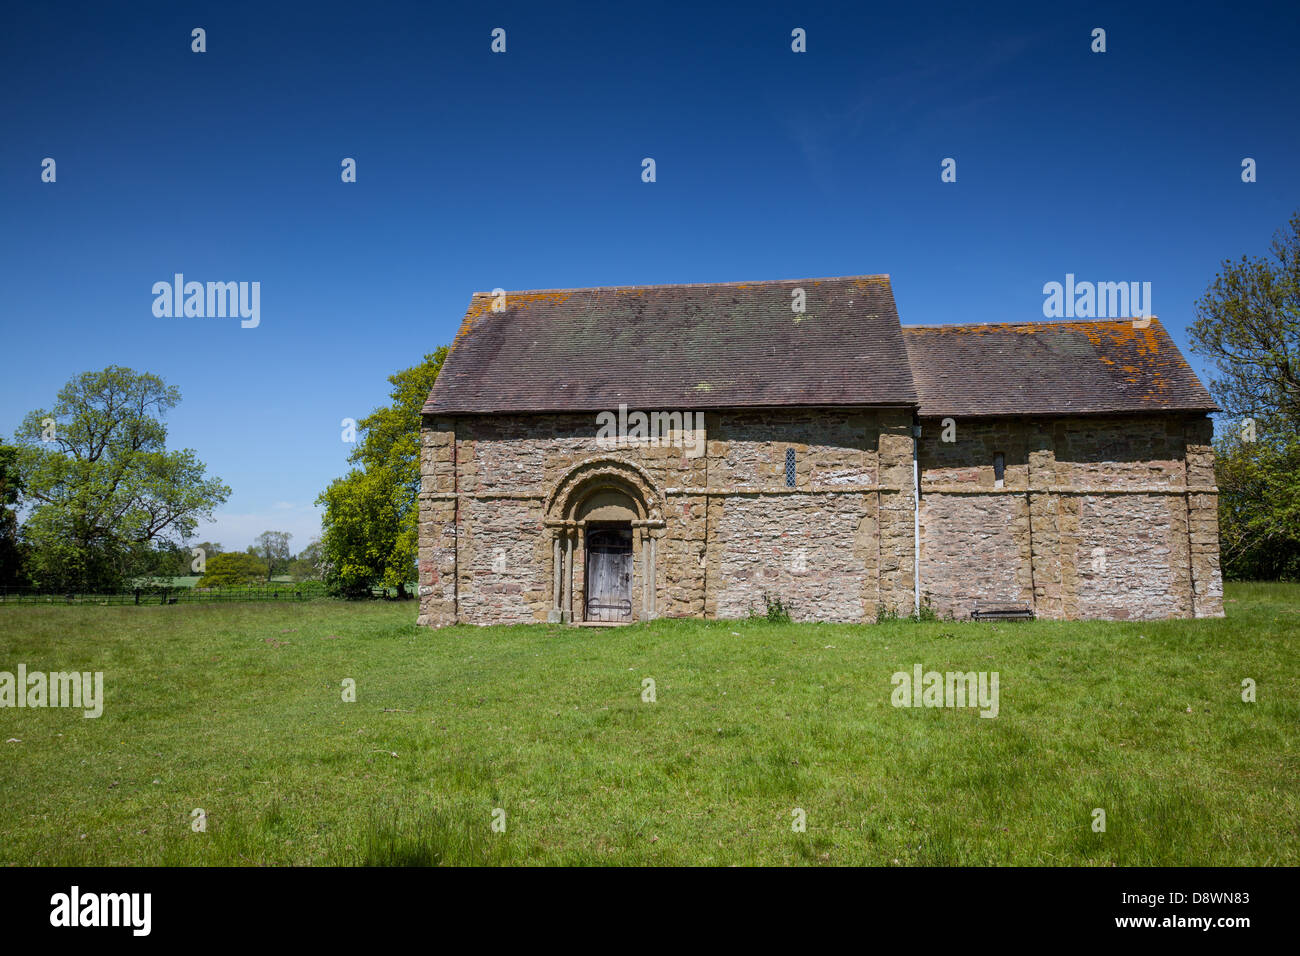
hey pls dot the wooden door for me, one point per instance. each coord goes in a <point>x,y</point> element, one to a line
<point>609,574</point>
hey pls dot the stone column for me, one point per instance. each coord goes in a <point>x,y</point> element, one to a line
<point>649,532</point>
<point>557,578</point>
<point>643,538</point>
<point>579,548</point>
<point>651,574</point>
<point>566,605</point>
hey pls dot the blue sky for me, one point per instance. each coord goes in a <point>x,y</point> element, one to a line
<point>523,170</point>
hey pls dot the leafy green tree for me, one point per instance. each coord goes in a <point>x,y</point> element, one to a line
<point>170,560</point>
<point>363,533</point>
<point>1248,326</point>
<point>11,573</point>
<point>371,514</point>
<point>233,569</point>
<point>104,490</point>
<point>273,548</point>
<point>209,549</point>
<point>1259,506</point>
<point>177,560</point>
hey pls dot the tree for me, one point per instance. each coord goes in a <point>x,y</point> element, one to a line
<point>10,488</point>
<point>208,550</point>
<point>309,564</point>
<point>1248,326</point>
<point>273,548</point>
<point>1259,507</point>
<point>170,560</point>
<point>364,538</point>
<point>233,569</point>
<point>371,514</point>
<point>103,488</point>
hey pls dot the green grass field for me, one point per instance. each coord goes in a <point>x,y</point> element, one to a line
<point>238,710</point>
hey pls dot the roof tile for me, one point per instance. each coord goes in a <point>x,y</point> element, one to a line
<point>682,347</point>
<point>1051,368</point>
<point>739,344</point>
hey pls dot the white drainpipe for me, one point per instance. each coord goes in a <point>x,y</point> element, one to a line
<point>916,519</point>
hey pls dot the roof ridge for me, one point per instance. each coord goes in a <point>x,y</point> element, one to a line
<point>693,285</point>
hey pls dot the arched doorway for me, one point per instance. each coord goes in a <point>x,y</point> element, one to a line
<point>606,514</point>
<point>605,518</point>
<point>607,596</point>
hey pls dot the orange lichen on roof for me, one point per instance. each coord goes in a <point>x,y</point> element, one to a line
<point>482,302</point>
<point>1122,332</point>
<point>1108,334</point>
<point>466,325</point>
<point>866,282</point>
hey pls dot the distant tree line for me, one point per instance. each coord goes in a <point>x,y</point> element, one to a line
<point>266,560</point>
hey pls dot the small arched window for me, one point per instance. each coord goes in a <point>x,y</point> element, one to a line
<point>999,470</point>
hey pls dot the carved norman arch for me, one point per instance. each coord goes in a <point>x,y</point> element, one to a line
<point>618,480</point>
<point>596,474</point>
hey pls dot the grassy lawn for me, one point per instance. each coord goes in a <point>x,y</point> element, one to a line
<point>237,709</point>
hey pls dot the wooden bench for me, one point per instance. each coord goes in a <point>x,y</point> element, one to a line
<point>1002,611</point>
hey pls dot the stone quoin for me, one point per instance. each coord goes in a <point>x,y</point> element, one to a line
<point>837,460</point>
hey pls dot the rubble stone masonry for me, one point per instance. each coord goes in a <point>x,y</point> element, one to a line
<point>1098,517</point>
<point>1105,517</point>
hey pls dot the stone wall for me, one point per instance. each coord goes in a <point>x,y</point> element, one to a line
<point>730,530</point>
<point>1095,517</point>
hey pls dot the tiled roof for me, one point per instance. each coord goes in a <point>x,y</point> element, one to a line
<point>1051,368</point>
<point>739,344</point>
<point>678,347</point>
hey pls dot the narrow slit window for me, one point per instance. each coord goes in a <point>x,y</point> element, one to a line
<point>789,467</point>
<point>999,470</point>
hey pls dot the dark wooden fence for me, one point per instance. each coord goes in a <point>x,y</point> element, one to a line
<point>156,595</point>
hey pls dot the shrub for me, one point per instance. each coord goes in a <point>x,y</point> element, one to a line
<point>232,569</point>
